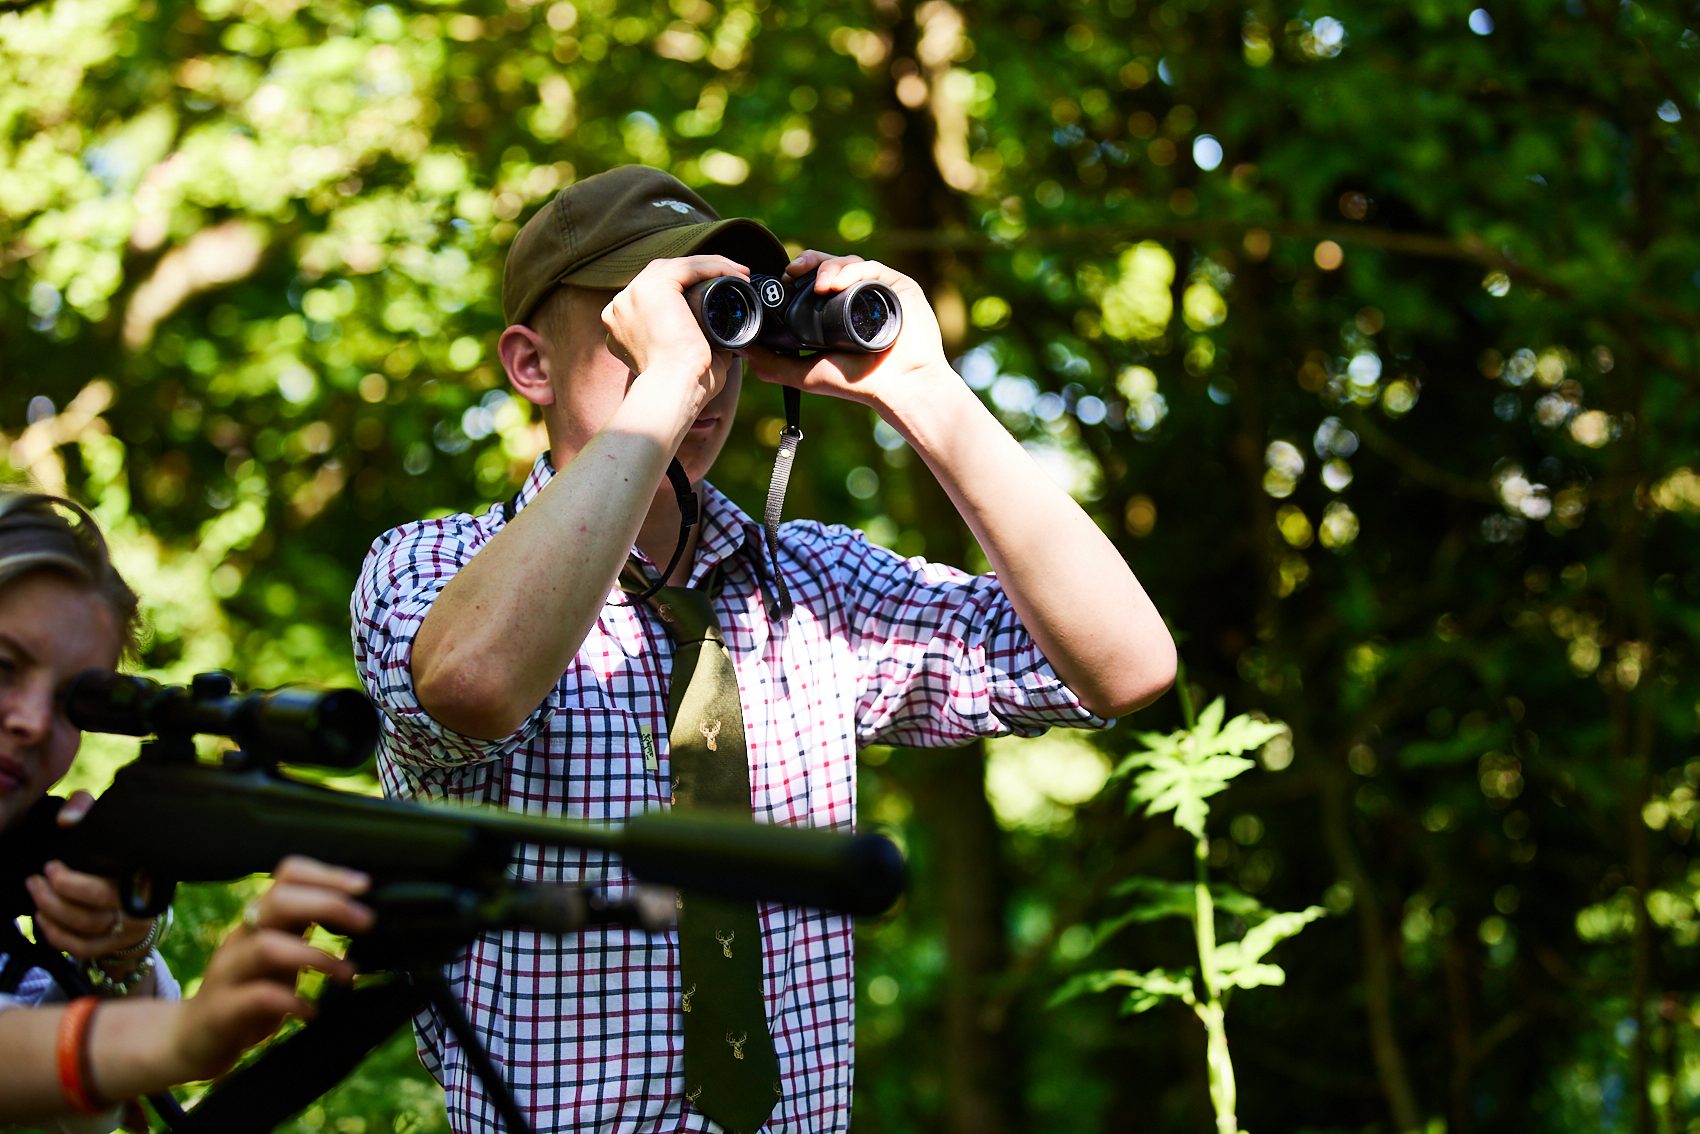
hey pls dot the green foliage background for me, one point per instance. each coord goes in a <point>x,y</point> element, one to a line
<point>1368,331</point>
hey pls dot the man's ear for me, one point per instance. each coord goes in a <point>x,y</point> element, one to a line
<point>526,361</point>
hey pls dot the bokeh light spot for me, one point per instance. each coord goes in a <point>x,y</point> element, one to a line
<point>1206,152</point>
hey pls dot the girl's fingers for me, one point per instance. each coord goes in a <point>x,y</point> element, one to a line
<point>275,957</point>
<point>81,889</point>
<point>294,907</point>
<point>76,806</point>
<point>79,913</point>
<point>312,872</point>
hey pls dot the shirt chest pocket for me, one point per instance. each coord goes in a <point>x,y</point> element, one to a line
<point>600,755</point>
<point>588,767</point>
<point>595,763</point>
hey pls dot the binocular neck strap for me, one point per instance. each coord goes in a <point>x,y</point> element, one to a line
<point>779,604</point>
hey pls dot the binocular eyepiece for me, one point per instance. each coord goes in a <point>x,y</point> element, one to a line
<point>788,316</point>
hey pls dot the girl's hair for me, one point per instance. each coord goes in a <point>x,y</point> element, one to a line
<point>39,532</point>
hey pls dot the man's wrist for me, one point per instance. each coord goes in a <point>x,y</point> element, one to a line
<point>669,395</point>
<point>926,400</point>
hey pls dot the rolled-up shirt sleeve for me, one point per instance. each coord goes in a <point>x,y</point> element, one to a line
<point>943,658</point>
<point>404,572</point>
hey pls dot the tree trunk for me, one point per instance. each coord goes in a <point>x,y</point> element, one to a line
<point>983,1062</point>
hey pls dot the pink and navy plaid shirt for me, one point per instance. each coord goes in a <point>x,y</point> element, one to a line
<point>587,1028</point>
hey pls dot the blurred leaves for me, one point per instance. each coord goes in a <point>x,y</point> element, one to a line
<point>1368,335</point>
<point>1240,964</point>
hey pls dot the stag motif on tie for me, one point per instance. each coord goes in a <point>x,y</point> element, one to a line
<point>689,992</point>
<point>725,937</point>
<point>738,1044</point>
<point>710,732</point>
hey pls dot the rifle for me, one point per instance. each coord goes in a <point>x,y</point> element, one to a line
<point>439,873</point>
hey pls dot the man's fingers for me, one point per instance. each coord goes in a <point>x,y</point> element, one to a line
<point>808,260</point>
<point>830,270</point>
<point>687,270</point>
<point>843,271</point>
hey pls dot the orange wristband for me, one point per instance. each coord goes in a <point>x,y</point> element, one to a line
<point>72,1052</point>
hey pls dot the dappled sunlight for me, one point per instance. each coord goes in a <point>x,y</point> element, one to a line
<point>1038,783</point>
<point>1137,302</point>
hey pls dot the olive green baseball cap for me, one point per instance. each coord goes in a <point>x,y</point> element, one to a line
<point>602,231</point>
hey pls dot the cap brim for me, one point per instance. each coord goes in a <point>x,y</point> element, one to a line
<point>742,240</point>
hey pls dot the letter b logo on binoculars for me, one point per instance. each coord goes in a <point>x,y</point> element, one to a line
<point>788,316</point>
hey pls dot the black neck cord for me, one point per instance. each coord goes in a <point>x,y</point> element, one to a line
<point>779,604</point>
<point>687,516</point>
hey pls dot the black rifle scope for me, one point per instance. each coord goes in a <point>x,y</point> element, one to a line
<point>335,727</point>
<point>788,316</point>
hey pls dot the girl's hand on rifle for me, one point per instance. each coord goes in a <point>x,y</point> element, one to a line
<point>248,990</point>
<point>78,913</point>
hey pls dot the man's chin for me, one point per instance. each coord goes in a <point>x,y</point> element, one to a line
<point>699,452</point>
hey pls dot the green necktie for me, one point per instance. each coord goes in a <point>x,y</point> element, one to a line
<point>731,1071</point>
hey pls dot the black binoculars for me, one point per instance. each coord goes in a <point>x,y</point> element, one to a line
<point>788,316</point>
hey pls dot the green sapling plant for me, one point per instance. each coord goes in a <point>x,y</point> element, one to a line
<point>1176,774</point>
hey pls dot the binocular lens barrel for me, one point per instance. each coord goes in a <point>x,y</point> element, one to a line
<point>864,314</point>
<point>789,315</point>
<point>727,309</point>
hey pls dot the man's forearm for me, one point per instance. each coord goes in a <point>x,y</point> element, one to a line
<point>507,625</point>
<point>1072,589</point>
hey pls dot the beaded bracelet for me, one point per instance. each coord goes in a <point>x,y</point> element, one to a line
<point>105,982</point>
<point>142,948</point>
<point>72,1050</point>
<point>110,985</point>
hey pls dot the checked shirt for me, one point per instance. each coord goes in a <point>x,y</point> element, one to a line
<point>587,1029</point>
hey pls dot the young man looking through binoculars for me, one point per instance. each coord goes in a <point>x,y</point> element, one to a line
<point>513,668</point>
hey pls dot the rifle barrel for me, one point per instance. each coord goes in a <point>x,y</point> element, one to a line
<point>195,823</point>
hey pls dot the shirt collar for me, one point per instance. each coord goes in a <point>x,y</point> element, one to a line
<point>726,534</point>
<point>542,472</point>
